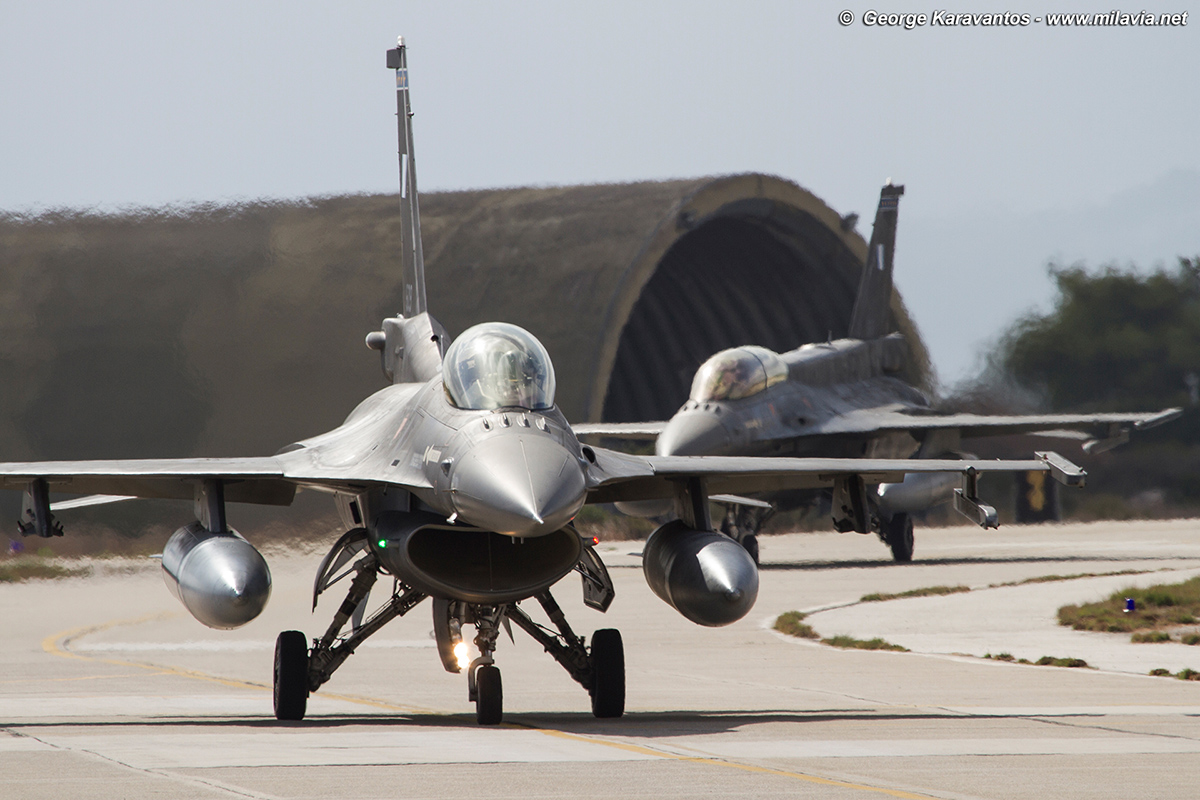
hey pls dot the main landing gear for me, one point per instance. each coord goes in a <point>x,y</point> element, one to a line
<point>743,520</point>
<point>600,668</point>
<point>855,509</point>
<point>897,533</point>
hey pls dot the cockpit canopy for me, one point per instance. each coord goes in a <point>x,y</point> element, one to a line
<point>497,365</point>
<point>737,373</point>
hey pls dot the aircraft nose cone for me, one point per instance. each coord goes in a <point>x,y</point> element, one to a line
<point>693,433</point>
<point>518,484</point>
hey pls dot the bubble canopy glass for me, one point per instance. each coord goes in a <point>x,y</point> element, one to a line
<point>497,365</point>
<point>737,373</point>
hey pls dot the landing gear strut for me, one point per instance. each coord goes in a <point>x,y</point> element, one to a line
<point>300,670</point>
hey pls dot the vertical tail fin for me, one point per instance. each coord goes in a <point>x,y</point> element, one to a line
<point>412,258</point>
<point>871,317</point>
<point>411,345</point>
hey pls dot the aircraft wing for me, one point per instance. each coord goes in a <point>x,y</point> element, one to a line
<point>248,480</point>
<point>620,430</point>
<point>618,477</point>
<point>1104,431</point>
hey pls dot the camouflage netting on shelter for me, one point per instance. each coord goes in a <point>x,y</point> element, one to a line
<point>235,330</point>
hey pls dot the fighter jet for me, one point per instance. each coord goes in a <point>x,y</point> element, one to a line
<point>459,481</point>
<point>844,399</point>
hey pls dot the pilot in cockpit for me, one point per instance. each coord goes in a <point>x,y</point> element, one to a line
<point>497,365</point>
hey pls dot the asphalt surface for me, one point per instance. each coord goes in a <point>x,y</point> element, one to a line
<point>108,688</point>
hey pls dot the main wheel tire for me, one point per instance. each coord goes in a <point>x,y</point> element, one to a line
<point>900,537</point>
<point>750,542</point>
<point>291,675</point>
<point>608,674</point>
<point>489,695</point>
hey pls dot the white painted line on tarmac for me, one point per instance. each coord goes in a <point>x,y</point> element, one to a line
<point>296,747</point>
<point>1076,711</point>
<point>251,703</point>
<point>907,748</point>
<point>226,646</point>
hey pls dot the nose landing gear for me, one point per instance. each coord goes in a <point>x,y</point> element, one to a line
<point>484,687</point>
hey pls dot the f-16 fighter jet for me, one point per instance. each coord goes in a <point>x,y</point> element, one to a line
<point>845,399</point>
<point>459,482</point>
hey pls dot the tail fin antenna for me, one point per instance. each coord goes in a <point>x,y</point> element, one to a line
<point>412,259</point>
<point>872,314</point>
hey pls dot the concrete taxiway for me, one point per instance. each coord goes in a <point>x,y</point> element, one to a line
<point>109,689</point>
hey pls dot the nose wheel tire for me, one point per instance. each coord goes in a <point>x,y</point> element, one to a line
<point>291,675</point>
<point>608,674</point>
<point>900,537</point>
<point>489,696</point>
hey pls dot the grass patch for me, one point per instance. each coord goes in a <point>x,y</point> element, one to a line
<point>925,592</point>
<point>850,643</point>
<point>791,623</point>
<point>1051,661</point>
<point>1044,661</point>
<point>1185,674</point>
<point>1158,606</point>
<point>1190,638</point>
<point>1150,637</point>
<point>32,568</point>
<point>1072,577</point>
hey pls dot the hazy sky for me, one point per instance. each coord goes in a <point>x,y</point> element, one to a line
<point>1017,144</point>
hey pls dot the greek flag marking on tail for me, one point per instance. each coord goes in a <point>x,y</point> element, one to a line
<point>402,79</point>
<point>889,203</point>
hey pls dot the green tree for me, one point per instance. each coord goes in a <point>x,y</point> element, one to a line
<point>1116,340</point>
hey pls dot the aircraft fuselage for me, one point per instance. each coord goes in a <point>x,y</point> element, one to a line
<point>798,416</point>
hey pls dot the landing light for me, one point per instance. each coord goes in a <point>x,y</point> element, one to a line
<point>461,654</point>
